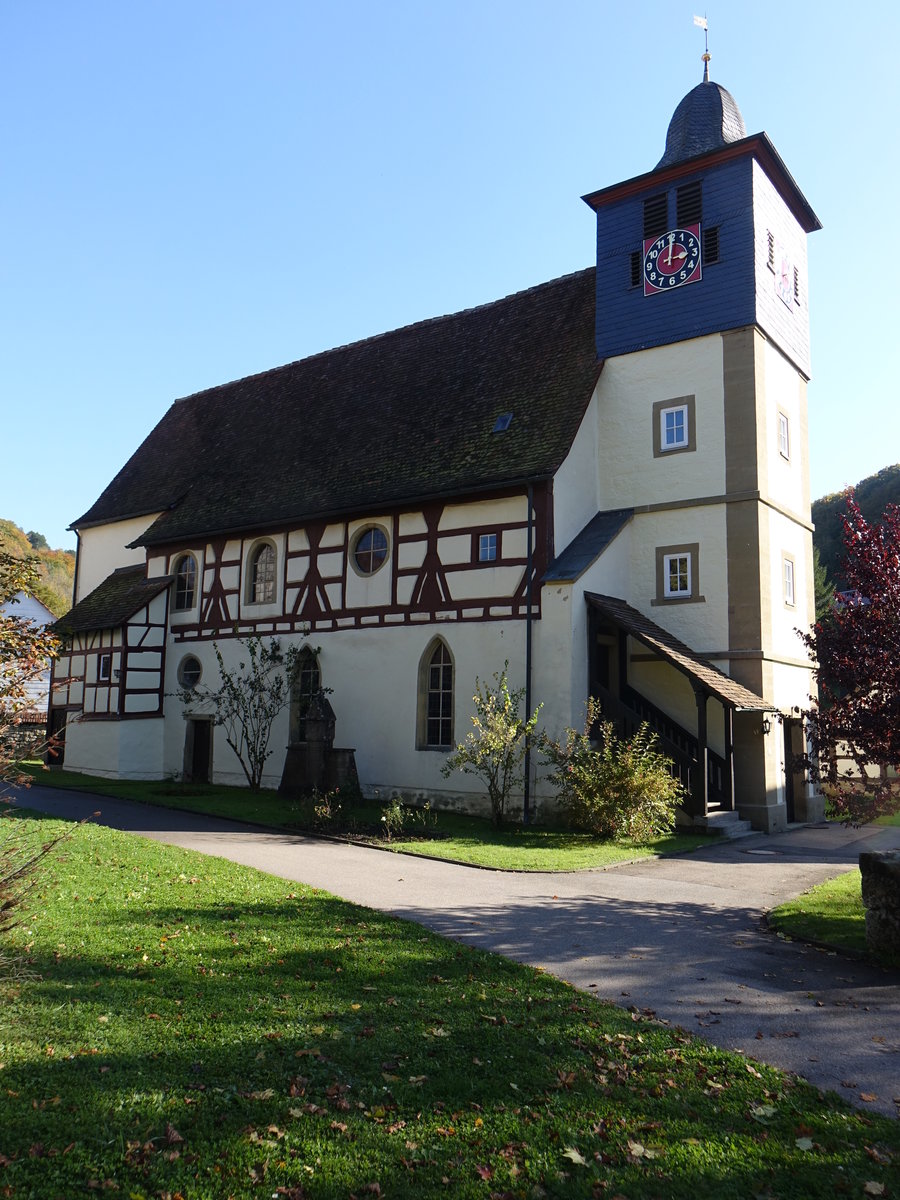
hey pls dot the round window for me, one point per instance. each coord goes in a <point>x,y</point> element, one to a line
<point>189,672</point>
<point>370,550</point>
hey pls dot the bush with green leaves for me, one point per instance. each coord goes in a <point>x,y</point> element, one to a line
<point>495,748</point>
<point>610,787</point>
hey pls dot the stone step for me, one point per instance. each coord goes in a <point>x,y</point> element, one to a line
<point>726,825</point>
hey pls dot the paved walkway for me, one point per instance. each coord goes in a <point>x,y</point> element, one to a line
<point>680,937</point>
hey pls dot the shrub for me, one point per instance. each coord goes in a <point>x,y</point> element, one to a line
<point>616,789</point>
<point>495,748</point>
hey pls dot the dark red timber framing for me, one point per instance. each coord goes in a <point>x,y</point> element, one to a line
<point>215,614</point>
<point>308,606</point>
<point>312,596</point>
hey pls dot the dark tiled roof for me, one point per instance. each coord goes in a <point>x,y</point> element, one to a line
<point>588,545</point>
<point>706,119</point>
<point>111,604</point>
<point>402,416</point>
<point>682,657</point>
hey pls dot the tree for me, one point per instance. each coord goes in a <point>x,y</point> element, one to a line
<point>26,650</point>
<point>824,588</point>
<point>249,698</point>
<point>37,540</point>
<point>495,748</point>
<point>854,726</point>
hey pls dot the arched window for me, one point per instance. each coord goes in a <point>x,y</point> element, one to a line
<point>185,583</point>
<point>262,575</point>
<point>307,681</point>
<point>435,706</point>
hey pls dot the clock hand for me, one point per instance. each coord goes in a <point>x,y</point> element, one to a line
<point>671,240</point>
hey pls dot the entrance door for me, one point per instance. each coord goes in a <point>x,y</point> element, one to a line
<point>56,751</point>
<point>793,778</point>
<point>198,751</point>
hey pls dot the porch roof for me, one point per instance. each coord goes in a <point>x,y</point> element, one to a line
<point>682,657</point>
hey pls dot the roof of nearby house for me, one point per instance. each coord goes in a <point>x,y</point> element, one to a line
<point>588,545</point>
<point>111,604</point>
<point>682,657</point>
<point>403,416</point>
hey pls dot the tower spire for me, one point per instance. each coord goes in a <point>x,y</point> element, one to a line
<point>704,25</point>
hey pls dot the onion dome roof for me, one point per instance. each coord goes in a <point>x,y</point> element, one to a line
<point>706,119</point>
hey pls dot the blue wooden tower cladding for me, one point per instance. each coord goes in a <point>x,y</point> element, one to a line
<point>730,202</point>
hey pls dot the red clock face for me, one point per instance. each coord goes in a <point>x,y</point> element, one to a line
<point>671,260</point>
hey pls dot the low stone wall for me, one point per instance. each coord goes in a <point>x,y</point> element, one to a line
<point>880,870</point>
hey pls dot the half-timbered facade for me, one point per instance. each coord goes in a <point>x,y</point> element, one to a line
<point>601,481</point>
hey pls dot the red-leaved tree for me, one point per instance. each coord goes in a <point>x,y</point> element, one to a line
<point>854,727</point>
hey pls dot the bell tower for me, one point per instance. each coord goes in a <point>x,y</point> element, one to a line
<point>702,323</point>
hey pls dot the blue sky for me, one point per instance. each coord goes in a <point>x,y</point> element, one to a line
<point>196,190</point>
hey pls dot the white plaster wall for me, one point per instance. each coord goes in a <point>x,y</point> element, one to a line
<point>105,547</point>
<point>787,537</point>
<point>784,481</point>
<point>374,676</point>
<point>575,487</point>
<point>140,749</point>
<point>629,386</point>
<point>703,625</point>
<point>483,512</point>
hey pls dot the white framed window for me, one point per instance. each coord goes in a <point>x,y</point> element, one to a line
<point>787,568</point>
<point>676,576</point>
<point>185,583</point>
<point>104,668</point>
<point>261,584</point>
<point>674,425</point>
<point>434,717</point>
<point>784,436</point>
<point>487,547</point>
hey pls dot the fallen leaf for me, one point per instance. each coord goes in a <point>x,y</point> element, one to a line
<point>869,1097</point>
<point>573,1155</point>
<point>803,1143</point>
<point>874,1189</point>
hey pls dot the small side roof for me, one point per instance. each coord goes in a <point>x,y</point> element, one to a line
<point>116,599</point>
<point>682,657</point>
<point>587,546</point>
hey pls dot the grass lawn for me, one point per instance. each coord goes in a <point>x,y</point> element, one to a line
<point>196,1029</point>
<point>452,836</point>
<point>831,914</point>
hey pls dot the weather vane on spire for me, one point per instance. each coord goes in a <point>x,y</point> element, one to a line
<point>704,25</point>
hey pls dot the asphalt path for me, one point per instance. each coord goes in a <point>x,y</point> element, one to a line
<point>681,938</point>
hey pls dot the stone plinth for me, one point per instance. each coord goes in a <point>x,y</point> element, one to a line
<point>880,871</point>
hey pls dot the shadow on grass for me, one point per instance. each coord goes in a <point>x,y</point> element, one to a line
<point>355,1049</point>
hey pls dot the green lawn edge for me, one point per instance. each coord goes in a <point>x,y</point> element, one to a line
<point>830,915</point>
<point>194,1027</point>
<point>469,841</point>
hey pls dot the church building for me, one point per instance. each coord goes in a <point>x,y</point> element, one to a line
<point>602,480</point>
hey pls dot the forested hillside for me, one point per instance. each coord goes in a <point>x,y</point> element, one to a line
<point>873,495</point>
<point>57,567</point>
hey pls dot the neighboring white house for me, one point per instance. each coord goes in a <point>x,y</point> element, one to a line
<point>32,717</point>
<point>602,480</point>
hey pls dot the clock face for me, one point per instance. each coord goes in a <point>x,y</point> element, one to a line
<point>671,260</point>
